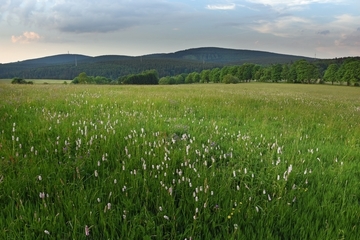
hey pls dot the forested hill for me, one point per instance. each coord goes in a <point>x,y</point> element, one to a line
<point>68,66</point>
<point>228,56</point>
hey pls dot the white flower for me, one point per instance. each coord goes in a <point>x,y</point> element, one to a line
<point>39,178</point>
<point>47,232</point>
<point>87,230</point>
<point>166,217</point>
<point>96,173</point>
<point>42,195</point>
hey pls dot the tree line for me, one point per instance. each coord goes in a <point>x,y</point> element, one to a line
<point>301,71</point>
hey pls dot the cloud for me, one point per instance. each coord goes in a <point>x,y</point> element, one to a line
<point>325,32</point>
<point>84,16</point>
<point>221,7</point>
<point>349,40</point>
<point>292,2</point>
<point>347,19</point>
<point>287,26</point>
<point>26,37</point>
<point>292,5</point>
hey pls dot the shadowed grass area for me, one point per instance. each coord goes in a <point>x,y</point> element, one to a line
<point>210,161</point>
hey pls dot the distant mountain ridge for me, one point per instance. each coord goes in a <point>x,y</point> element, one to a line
<point>225,55</point>
<point>67,66</point>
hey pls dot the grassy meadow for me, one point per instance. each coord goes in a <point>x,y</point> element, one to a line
<point>39,81</point>
<point>207,161</point>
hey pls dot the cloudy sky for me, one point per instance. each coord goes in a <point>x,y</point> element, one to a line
<point>37,28</point>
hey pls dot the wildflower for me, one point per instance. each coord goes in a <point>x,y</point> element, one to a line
<point>108,206</point>
<point>39,178</point>
<point>290,169</point>
<point>87,230</point>
<point>96,173</point>
<point>47,232</point>
<point>166,217</point>
<point>236,226</point>
<point>42,195</point>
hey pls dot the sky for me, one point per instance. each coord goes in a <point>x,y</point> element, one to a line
<point>313,28</point>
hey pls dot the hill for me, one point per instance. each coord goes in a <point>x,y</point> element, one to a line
<point>67,66</point>
<point>228,56</point>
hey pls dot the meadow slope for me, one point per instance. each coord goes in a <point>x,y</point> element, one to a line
<point>209,161</point>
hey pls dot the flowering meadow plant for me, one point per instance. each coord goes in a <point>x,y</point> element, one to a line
<point>249,161</point>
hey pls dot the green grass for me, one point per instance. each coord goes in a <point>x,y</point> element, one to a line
<point>39,81</point>
<point>210,161</point>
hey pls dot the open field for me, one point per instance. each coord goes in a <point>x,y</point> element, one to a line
<point>207,161</point>
<point>39,81</point>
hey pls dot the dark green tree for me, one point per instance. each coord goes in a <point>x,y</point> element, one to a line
<point>276,72</point>
<point>205,76</point>
<point>18,80</point>
<point>331,73</point>
<point>228,78</point>
<point>83,78</point>
<point>352,72</point>
<point>196,77</point>
<point>306,72</point>
<point>179,79</point>
<point>215,75</point>
<point>285,73</point>
<point>189,78</point>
